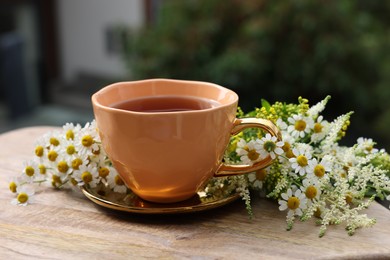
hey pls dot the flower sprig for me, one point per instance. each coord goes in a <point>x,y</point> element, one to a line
<point>70,157</point>
<point>312,176</point>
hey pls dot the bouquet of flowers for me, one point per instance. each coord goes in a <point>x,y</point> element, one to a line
<point>312,176</point>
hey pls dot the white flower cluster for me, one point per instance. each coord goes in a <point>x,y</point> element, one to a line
<point>313,175</point>
<point>72,156</point>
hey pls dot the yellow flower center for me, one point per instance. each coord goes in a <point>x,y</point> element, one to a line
<point>22,197</point>
<point>70,149</point>
<point>269,146</point>
<point>118,181</point>
<point>42,169</point>
<point>73,181</point>
<point>62,166</point>
<point>86,177</point>
<point>311,192</point>
<point>54,141</point>
<point>13,186</point>
<point>286,147</point>
<point>293,203</point>
<point>302,160</point>
<point>317,128</point>
<point>87,140</point>
<point>253,155</point>
<point>319,171</point>
<point>52,155</point>
<point>103,172</point>
<point>290,154</point>
<point>76,163</point>
<point>69,135</point>
<point>39,151</point>
<point>29,171</point>
<point>56,179</point>
<point>300,125</point>
<point>261,174</point>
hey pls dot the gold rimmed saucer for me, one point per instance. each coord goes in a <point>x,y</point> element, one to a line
<point>132,203</point>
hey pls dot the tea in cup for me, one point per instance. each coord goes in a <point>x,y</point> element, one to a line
<point>166,138</point>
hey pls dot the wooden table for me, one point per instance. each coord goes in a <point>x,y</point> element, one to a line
<point>65,225</point>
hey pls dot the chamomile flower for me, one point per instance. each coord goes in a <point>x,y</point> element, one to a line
<point>63,165</point>
<point>367,145</point>
<point>288,142</point>
<point>68,149</point>
<point>270,146</point>
<point>301,162</point>
<point>115,182</point>
<point>311,188</point>
<point>40,150</point>
<point>30,170</point>
<point>107,172</point>
<point>319,168</point>
<point>86,140</point>
<point>295,202</point>
<point>86,175</point>
<point>71,130</point>
<point>248,151</point>
<point>256,179</point>
<point>299,125</point>
<point>281,124</point>
<point>24,195</point>
<point>99,157</point>
<point>52,153</point>
<point>320,129</point>
<point>14,183</point>
<point>79,160</point>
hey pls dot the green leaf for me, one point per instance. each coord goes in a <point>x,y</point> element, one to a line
<point>265,104</point>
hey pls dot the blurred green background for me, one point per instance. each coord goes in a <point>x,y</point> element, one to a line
<point>278,51</point>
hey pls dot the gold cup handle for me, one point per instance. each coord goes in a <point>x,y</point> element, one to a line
<point>238,126</point>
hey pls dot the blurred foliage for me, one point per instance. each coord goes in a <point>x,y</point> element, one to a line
<point>277,50</point>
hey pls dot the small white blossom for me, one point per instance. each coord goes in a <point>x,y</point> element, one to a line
<point>248,151</point>
<point>300,126</point>
<point>24,195</point>
<point>295,202</point>
<point>301,162</point>
<point>270,146</point>
<point>86,175</point>
<point>367,145</point>
<point>320,168</point>
<point>256,179</point>
<point>30,170</point>
<point>281,124</point>
<point>115,182</point>
<point>87,140</point>
<point>311,188</point>
<point>320,129</point>
<point>71,130</point>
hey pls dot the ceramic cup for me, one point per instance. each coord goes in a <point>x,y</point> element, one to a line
<point>167,156</point>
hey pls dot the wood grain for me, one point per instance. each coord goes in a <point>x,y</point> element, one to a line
<point>65,225</point>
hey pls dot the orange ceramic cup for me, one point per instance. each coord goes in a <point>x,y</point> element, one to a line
<point>166,157</point>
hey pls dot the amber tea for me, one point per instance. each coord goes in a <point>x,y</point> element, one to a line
<point>153,104</point>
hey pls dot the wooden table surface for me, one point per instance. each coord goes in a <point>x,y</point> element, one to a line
<point>66,225</point>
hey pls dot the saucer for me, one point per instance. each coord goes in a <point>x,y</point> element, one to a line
<point>130,202</point>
